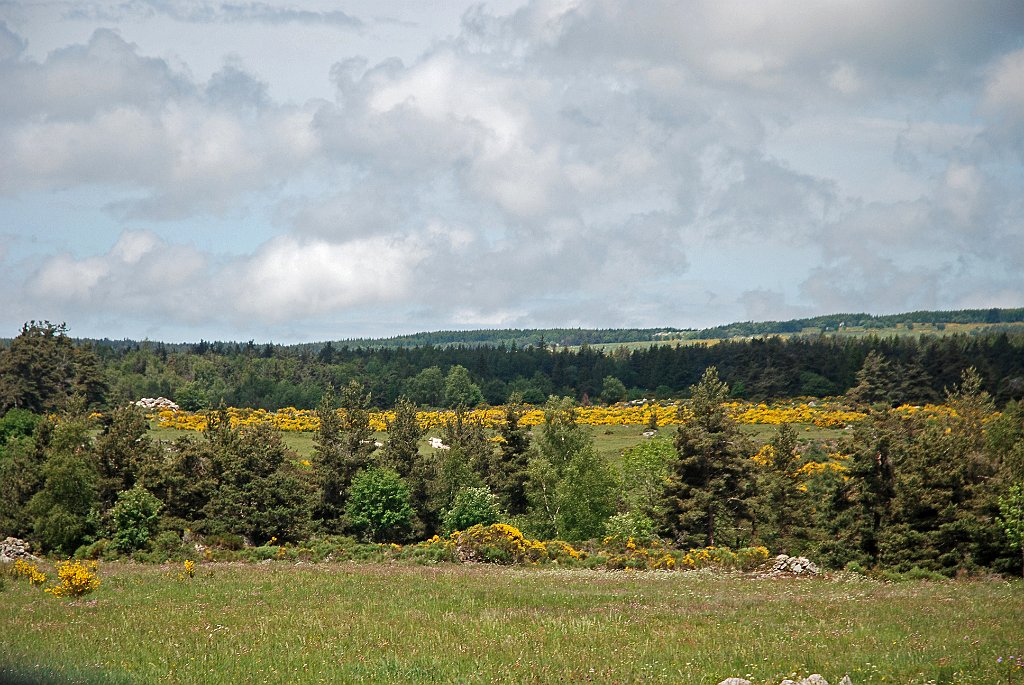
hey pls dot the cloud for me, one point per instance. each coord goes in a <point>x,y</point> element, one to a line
<point>213,12</point>
<point>103,115</point>
<point>585,162</point>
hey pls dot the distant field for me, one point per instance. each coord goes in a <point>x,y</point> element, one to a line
<point>401,623</point>
<point>609,440</point>
<point>916,330</point>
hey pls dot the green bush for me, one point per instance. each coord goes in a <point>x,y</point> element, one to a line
<point>378,505</point>
<point>470,507</point>
<point>134,518</point>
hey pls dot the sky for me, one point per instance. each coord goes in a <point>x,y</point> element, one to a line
<point>315,170</point>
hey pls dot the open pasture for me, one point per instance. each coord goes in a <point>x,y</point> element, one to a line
<point>361,622</point>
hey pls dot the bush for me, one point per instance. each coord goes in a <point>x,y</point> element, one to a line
<point>470,507</point>
<point>630,525</point>
<point>378,505</point>
<point>76,579</point>
<point>134,518</point>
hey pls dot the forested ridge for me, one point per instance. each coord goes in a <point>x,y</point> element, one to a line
<point>271,376</point>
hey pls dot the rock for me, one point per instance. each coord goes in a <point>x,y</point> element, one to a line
<point>12,549</point>
<point>786,565</point>
<point>846,680</point>
<point>814,679</point>
<point>157,404</point>
<point>735,681</point>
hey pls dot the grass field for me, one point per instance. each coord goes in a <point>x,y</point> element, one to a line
<point>360,622</point>
<point>609,440</point>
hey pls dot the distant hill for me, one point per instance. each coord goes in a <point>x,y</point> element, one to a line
<point>576,337</point>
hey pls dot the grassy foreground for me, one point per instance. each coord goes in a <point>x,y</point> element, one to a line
<point>357,622</point>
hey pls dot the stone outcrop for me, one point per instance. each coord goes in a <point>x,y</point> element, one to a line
<point>157,404</point>
<point>813,679</point>
<point>784,565</point>
<point>12,549</point>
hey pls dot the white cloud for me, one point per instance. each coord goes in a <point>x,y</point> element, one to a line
<point>585,161</point>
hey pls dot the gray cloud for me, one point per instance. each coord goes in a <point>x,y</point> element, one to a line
<point>589,163</point>
<point>212,12</point>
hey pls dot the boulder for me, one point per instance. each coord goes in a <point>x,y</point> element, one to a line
<point>12,549</point>
<point>784,565</point>
<point>735,681</point>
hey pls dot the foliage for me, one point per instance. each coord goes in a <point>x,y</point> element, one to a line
<point>42,368</point>
<point>459,388</point>
<point>17,423</point>
<point>1011,513</point>
<point>134,518</point>
<point>61,509</point>
<point>708,492</point>
<point>76,579</point>
<point>378,505</point>
<point>470,507</point>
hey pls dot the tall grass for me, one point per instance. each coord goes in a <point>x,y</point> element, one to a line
<point>341,623</point>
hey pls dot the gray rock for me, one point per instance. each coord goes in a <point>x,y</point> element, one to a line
<point>814,679</point>
<point>735,681</point>
<point>12,549</point>
<point>846,680</point>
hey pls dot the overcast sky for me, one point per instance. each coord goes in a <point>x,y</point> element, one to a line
<point>296,171</point>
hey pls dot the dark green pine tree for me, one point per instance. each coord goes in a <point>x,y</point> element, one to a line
<point>342,446</point>
<point>507,475</point>
<point>709,490</point>
<point>780,499</point>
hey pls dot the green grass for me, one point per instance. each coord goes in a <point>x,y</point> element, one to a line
<point>609,440</point>
<point>342,623</point>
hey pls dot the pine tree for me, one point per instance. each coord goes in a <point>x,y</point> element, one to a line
<point>710,487</point>
<point>507,475</point>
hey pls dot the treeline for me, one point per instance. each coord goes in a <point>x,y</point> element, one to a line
<point>837,322</point>
<point>938,491</point>
<point>43,362</point>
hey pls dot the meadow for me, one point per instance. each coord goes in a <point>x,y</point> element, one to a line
<point>401,622</point>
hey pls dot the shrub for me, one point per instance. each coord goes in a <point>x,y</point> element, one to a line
<point>76,579</point>
<point>378,505</point>
<point>630,525</point>
<point>470,507</point>
<point>134,517</point>
<point>25,569</point>
<point>498,543</point>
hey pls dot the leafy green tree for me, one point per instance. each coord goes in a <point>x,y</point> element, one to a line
<point>1011,517</point>
<point>709,490</point>
<point>17,423</point>
<point>121,448</point>
<point>21,476</point>
<point>612,390</point>
<point>134,518</point>
<point>644,468</point>
<point>462,464</point>
<point>781,501</point>
<point>61,510</point>
<point>570,488</point>
<point>401,452</point>
<point>378,505</point>
<point>875,381</point>
<point>460,390</point>
<point>42,368</point>
<point>470,507</point>
<point>427,387</point>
